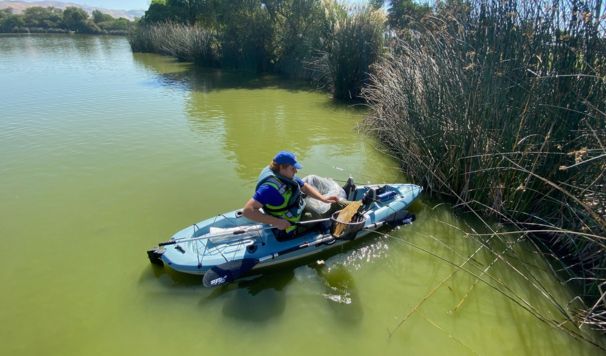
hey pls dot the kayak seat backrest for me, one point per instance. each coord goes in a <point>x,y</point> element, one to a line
<point>358,193</point>
<point>350,189</point>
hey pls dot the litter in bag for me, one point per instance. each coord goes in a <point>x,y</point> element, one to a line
<point>325,186</point>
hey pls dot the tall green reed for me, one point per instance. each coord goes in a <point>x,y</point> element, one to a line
<point>501,105</point>
<point>356,43</point>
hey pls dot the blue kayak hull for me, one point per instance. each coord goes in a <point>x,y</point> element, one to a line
<point>231,236</point>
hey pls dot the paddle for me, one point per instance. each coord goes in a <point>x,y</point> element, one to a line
<point>244,230</point>
<point>253,228</point>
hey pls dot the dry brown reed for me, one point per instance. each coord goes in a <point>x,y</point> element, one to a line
<point>184,42</point>
<point>501,105</point>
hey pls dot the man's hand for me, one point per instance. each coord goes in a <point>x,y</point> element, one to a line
<point>281,224</point>
<point>330,199</point>
<point>251,211</point>
<point>313,192</point>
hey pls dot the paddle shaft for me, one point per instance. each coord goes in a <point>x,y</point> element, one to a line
<point>209,236</point>
<point>234,233</point>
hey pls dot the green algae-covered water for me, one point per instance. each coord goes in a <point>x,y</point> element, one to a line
<point>104,153</point>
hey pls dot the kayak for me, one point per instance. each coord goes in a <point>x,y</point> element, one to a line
<point>228,246</point>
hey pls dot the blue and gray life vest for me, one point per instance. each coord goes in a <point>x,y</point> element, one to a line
<point>292,207</point>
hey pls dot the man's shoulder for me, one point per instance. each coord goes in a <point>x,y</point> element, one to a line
<point>267,187</point>
<point>299,181</point>
<point>267,194</point>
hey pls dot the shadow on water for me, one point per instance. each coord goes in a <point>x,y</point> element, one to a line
<point>251,116</point>
<point>73,46</point>
<point>259,299</point>
<point>169,278</point>
<point>262,297</point>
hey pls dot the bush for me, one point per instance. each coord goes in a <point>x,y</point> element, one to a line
<point>357,43</point>
<point>302,28</point>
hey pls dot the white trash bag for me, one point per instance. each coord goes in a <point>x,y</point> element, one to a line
<point>325,186</point>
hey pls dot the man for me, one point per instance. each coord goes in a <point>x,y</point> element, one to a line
<point>278,192</point>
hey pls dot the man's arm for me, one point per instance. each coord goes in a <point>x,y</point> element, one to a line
<point>251,211</point>
<point>313,192</point>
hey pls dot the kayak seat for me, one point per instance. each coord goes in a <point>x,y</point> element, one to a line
<point>350,189</point>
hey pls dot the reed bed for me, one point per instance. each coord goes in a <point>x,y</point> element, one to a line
<point>501,106</point>
<point>184,42</point>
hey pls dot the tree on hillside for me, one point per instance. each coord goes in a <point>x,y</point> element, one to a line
<point>43,17</point>
<point>181,11</point>
<point>120,24</point>
<point>99,17</point>
<point>76,19</point>
<point>10,22</point>
<point>4,13</point>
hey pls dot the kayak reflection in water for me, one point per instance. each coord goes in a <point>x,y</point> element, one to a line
<point>279,192</point>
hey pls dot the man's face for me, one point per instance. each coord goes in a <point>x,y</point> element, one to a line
<point>288,172</point>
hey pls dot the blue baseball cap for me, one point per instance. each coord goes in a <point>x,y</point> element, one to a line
<point>285,157</point>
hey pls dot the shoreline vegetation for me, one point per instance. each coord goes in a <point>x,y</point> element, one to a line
<point>71,20</point>
<point>320,41</point>
<point>496,106</point>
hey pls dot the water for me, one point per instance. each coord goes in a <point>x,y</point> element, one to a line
<point>104,153</point>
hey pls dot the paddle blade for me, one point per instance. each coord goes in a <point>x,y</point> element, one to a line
<point>228,272</point>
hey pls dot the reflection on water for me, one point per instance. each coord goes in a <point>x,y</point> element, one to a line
<point>254,117</point>
<point>72,47</point>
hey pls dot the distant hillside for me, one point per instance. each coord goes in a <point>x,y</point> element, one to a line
<point>19,6</point>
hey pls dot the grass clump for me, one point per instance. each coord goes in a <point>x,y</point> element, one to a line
<point>184,42</point>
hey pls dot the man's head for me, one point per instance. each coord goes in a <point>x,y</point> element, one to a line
<point>285,163</point>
